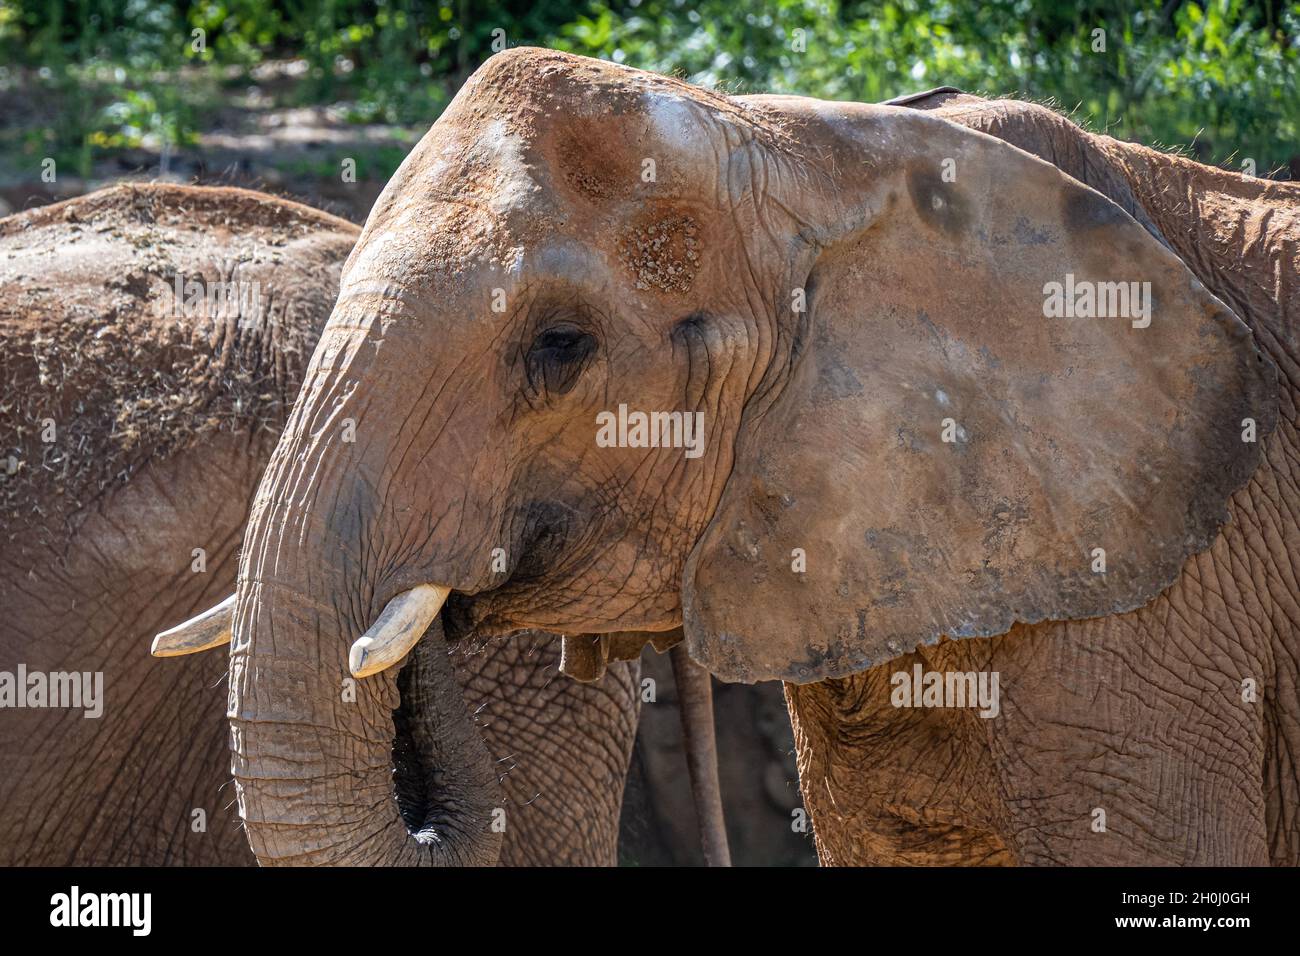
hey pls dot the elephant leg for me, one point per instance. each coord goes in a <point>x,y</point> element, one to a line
<point>891,787</point>
<point>695,700</point>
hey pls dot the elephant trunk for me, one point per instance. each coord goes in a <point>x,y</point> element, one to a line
<point>331,769</point>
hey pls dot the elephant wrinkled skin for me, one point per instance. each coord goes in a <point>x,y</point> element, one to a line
<point>901,452</point>
<point>164,420</point>
<point>1140,715</point>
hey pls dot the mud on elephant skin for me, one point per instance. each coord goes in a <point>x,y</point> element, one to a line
<point>902,446</point>
<point>163,420</point>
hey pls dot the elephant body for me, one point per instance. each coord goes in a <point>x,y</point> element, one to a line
<point>1179,720</point>
<point>906,450</point>
<point>163,421</point>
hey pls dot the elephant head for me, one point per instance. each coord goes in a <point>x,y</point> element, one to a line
<point>816,380</point>
<point>162,417</point>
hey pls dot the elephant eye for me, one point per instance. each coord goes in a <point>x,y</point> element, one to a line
<point>557,357</point>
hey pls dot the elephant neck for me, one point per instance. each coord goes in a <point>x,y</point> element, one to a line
<point>1240,236</point>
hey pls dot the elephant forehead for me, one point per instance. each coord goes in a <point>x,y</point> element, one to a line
<point>544,155</point>
<point>485,166</point>
<point>606,130</point>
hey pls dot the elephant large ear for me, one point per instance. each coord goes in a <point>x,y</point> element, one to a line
<point>1005,402</point>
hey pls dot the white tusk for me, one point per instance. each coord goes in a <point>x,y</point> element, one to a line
<point>210,629</point>
<point>399,628</point>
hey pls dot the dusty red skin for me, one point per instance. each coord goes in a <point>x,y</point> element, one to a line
<point>1201,776</point>
<point>934,786</point>
<point>163,434</point>
<point>924,301</point>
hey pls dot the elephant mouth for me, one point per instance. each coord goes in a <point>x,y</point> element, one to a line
<point>549,529</point>
<point>419,760</point>
<point>473,619</point>
<point>484,615</point>
<point>458,615</point>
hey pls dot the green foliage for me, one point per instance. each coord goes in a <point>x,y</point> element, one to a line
<point>1218,77</point>
<point>95,77</point>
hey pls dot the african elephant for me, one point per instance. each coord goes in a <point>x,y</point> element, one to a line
<point>160,416</point>
<point>614,353</point>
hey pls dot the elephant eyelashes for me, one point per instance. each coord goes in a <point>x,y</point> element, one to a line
<point>557,357</point>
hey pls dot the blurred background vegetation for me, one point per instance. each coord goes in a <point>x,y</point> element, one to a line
<point>82,81</point>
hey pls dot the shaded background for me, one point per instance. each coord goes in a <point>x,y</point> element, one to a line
<point>284,95</point>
